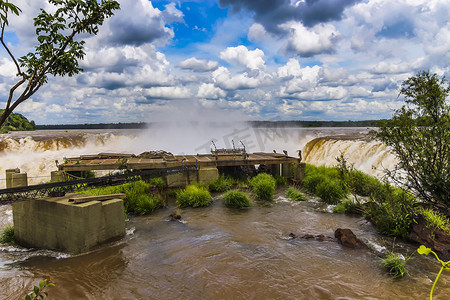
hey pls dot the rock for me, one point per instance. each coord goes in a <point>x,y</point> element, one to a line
<point>438,241</point>
<point>174,216</point>
<point>348,239</point>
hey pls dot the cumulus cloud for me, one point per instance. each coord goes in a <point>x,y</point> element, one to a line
<point>272,13</point>
<point>321,38</point>
<point>240,55</point>
<point>225,80</point>
<point>198,65</point>
<point>209,91</point>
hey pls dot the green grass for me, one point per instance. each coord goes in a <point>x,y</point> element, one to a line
<point>221,184</point>
<point>435,220</point>
<point>331,191</point>
<point>138,196</point>
<point>280,181</point>
<point>193,195</point>
<point>7,235</point>
<point>236,199</point>
<point>263,185</point>
<point>347,206</point>
<point>294,194</point>
<point>395,264</point>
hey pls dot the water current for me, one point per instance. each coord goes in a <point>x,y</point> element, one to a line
<point>216,252</point>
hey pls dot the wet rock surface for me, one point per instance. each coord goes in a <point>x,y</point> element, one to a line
<point>348,239</point>
<point>437,239</point>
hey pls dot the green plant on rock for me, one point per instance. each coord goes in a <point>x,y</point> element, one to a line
<point>435,220</point>
<point>38,291</point>
<point>221,184</point>
<point>444,265</point>
<point>294,194</point>
<point>236,199</point>
<point>193,195</point>
<point>348,206</point>
<point>395,264</point>
<point>263,185</point>
<point>7,235</point>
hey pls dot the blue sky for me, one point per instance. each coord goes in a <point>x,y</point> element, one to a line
<point>253,60</point>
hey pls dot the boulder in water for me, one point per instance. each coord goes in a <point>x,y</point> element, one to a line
<point>348,239</point>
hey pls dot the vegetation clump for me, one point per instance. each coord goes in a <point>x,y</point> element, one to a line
<point>193,195</point>
<point>325,183</point>
<point>221,184</point>
<point>263,185</point>
<point>295,194</point>
<point>435,220</point>
<point>7,235</point>
<point>139,198</point>
<point>395,264</point>
<point>236,199</point>
<point>348,206</point>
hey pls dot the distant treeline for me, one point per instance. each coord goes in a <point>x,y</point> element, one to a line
<point>367,123</point>
<point>94,126</point>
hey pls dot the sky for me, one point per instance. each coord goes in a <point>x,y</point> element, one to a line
<point>234,59</point>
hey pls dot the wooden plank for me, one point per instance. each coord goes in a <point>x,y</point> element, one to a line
<point>77,200</point>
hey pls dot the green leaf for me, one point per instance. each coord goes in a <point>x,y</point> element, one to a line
<point>424,250</point>
<point>27,297</point>
<point>41,284</point>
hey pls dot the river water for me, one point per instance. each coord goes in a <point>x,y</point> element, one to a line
<point>217,252</point>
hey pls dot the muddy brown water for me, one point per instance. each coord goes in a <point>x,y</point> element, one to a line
<point>222,253</point>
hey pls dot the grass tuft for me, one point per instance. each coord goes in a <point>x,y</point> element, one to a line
<point>395,264</point>
<point>221,184</point>
<point>294,194</point>
<point>7,235</point>
<point>193,195</point>
<point>263,185</point>
<point>236,199</point>
<point>435,220</point>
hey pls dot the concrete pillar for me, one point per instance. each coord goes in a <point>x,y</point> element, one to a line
<point>9,173</point>
<point>205,175</point>
<point>286,170</point>
<point>299,171</point>
<point>19,179</point>
<point>57,176</point>
<point>275,170</point>
<point>56,223</point>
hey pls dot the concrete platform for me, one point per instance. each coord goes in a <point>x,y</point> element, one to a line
<point>55,223</point>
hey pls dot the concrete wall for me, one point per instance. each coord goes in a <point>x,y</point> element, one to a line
<point>55,223</point>
<point>205,175</point>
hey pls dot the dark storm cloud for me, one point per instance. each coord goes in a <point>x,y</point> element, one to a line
<point>271,13</point>
<point>136,34</point>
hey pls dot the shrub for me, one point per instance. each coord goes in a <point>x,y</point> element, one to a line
<point>395,264</point>
<point>221,184</point>
<point>236,199</point>
<point>392,210</point>
<point>193,195</point>
<point>263,185</point>
<point>138,198</point>
<point>331,191</point>
<point>364,184</point>
<point>158,182</point>
<point>7,235</point>
<point>280,181</point>
<point>435,220</point>
<point>312,181</point>
<point>348,206</point>
<point>295,194</point>
<point>146,204</point>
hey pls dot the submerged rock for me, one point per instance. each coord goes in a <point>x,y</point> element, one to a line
<point>348,239</point>
<point>174,216</point>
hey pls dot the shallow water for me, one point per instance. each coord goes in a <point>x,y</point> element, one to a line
<point>222,253</point>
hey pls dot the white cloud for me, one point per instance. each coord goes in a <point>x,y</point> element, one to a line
<point>209,91</point>
<point>251,59</point>
<point>321,38</point>
<point>198,65</point>
<point>292,68</point>
<point>223,79</point>
<point>167,92</point>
